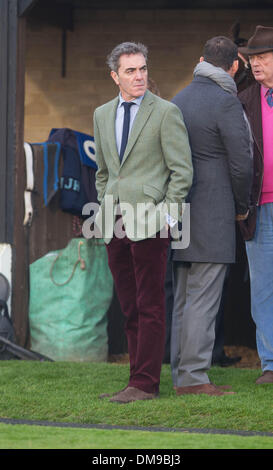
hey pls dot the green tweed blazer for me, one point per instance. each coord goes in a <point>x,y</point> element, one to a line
<point>155,174</point>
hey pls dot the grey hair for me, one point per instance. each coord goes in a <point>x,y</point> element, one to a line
<point>125,48</point>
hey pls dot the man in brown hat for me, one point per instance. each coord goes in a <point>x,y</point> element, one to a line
<point>257,230</point>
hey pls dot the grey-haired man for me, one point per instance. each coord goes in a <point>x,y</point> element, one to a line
<point>257,229</point>
<point>150,174</point>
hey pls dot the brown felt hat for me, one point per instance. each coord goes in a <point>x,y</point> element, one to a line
<point>261,41</point>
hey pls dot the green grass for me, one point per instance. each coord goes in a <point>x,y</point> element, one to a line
<point>68,392</point>
<point>36,437</point>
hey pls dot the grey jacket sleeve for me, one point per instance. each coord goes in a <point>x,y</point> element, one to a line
<point>237,141</point>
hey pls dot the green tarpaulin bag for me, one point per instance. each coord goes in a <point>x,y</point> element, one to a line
<point>70,293</point>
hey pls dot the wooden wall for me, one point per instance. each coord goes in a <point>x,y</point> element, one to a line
<point>174,37</point>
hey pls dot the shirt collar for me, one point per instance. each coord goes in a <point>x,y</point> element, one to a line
<point>137,100</point>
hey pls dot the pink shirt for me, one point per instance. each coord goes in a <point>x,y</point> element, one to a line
<point>267,121</point>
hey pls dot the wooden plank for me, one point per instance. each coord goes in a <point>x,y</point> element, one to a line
<point>169,4</point>
<point>20,290</point>
<point>11,116</point>
<point>24,6</point>
<point>8,68</point>
<point>3,114</point>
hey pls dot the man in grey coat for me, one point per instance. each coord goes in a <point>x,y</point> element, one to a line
<point>221,151</point>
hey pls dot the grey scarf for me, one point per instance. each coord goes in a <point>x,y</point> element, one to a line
<point>217,74</point>
<point>225,81</point>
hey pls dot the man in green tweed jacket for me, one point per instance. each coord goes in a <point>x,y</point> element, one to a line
<point>144,175</point>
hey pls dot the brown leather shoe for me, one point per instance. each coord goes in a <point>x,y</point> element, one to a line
<point>132,394</point>
<point>107,395</point>
<point>208,389</point>
<point>222,387</point>
<point>266,378</point>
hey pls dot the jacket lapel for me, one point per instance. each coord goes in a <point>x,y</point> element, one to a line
<point>254,113</point>
<point>256,118</point>
<point>141,118</point>
<point>111,131</point>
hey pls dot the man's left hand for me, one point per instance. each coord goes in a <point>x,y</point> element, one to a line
<point>242,216</point>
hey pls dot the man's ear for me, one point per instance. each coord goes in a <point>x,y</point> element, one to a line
<point>235,66</point>
<point>201,59</point>
<point>114,76</point>
<point>233,69</point>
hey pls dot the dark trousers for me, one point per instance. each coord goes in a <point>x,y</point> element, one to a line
<point>139,269</point>
<point>169,306</point>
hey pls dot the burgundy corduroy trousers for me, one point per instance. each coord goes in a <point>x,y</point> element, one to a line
<point>139,269</point>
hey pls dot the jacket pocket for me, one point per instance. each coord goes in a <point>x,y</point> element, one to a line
<point>153,192</point>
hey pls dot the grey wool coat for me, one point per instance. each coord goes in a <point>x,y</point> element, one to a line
<point>222,165</point>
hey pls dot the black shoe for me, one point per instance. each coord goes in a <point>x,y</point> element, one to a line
<point>225,361</point>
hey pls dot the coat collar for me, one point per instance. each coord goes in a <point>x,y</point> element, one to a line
<point>251,100</point>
